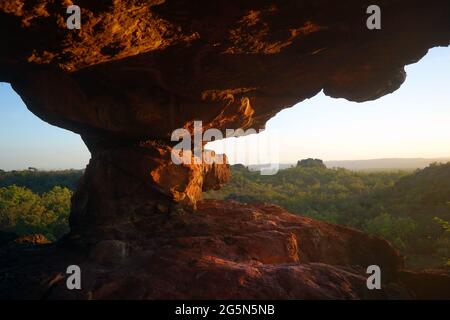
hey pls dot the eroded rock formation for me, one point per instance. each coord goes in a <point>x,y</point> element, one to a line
<point>139,69</point>
<point>124,186</point>
<point>224,250</point>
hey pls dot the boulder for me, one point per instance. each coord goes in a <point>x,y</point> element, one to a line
<point>224,250</point>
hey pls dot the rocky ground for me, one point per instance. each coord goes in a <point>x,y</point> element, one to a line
<point>226,250</point>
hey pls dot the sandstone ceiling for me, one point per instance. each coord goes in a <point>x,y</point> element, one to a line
<point>138,69</point>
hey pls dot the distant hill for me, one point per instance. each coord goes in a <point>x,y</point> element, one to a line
<point>40,181</point>
<point>371,164</point>
<point>385,164</point>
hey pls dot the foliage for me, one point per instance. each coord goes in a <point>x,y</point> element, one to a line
<point>396,205</point>
<point>444,240</point>
<point>40,181</point>
<point>399,206</point>
<point>24,212</point>
<point>397,230</point>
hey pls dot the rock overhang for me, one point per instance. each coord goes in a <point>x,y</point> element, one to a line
<point>138,69</point>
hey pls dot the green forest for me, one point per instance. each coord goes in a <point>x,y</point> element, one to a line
<point>411,209</point>
<point>37,202</point>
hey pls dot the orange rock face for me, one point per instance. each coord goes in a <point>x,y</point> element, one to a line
<point>32,239</point>
<point>224,250</point>
<point>122,186</point>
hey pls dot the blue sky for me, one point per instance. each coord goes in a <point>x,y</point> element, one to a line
<point>412,122</point>
<point>27,141</point>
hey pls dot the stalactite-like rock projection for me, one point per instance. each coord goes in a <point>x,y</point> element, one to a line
<point>139,69</point>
